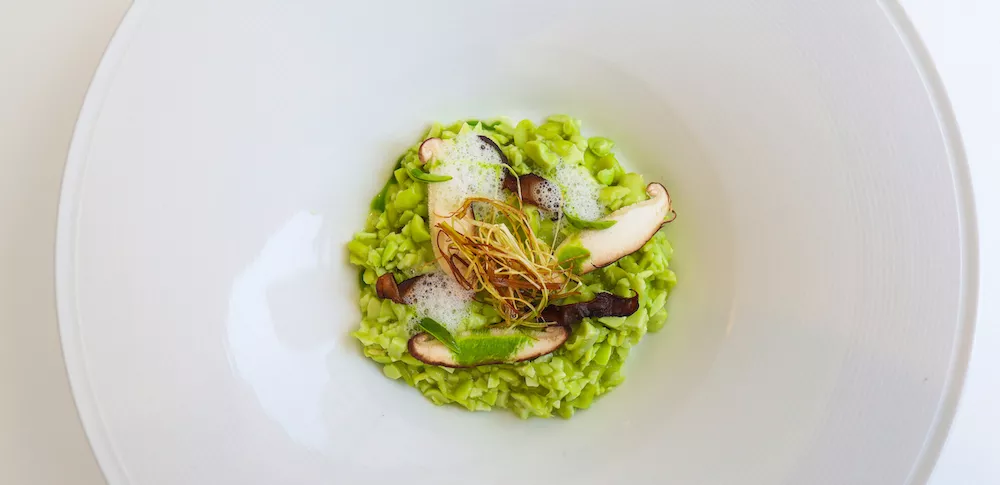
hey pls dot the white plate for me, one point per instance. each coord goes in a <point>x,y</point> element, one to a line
<point>825,247</point>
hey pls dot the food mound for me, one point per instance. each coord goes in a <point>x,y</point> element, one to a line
<point>512,266</point>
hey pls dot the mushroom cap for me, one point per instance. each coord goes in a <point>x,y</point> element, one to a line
<point>442,205</point>
<point>429,350</point>
<point>430,148</point>
<point>440,210</point>
<point>635,225</point>
<point>387,288</point>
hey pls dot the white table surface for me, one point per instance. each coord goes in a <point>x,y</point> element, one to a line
<point>48,52</point>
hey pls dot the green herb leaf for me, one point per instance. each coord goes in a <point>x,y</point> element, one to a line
<point>484,346</point>
<point>582,224</point>
<point>422,176</point>
<point>438,331</point>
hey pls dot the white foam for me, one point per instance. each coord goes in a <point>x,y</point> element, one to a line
<point>439,297</point>
<point>547,195</point>
<point>475,169</point>
<point>580,191</point>
<point>468,179</point>
<point>470,148</point>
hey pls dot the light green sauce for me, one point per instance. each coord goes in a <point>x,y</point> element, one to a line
<point>486,347</point>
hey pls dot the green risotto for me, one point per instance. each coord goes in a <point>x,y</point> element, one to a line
<point>594,194</point>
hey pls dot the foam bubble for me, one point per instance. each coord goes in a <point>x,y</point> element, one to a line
<point>439,297</point>
<point>580,191</point>
<point>470,148</point>
<point>469,179</point>
<point>547,195</point>
<point>476,170</point>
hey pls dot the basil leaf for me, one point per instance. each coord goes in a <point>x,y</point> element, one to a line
<point>438,331</point>
<point>422,176</point>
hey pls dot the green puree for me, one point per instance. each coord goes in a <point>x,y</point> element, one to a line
<point>488,348</point>
<point>396,239</point>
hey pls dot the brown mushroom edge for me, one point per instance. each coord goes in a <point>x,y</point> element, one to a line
<point>529,186</point>
<point>602,305</point>
<point>431,351</point>
<point>430,149</point>
<point>386,288</point>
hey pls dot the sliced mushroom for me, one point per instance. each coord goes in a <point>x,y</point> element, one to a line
<point>429,350</point>
<point>430,148</point>
<point>387,288</point>
<point>602,305</point>
<point>441,210</point>
<point>439,207</point>
<point>535,190</point>
<point>635,224</point>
